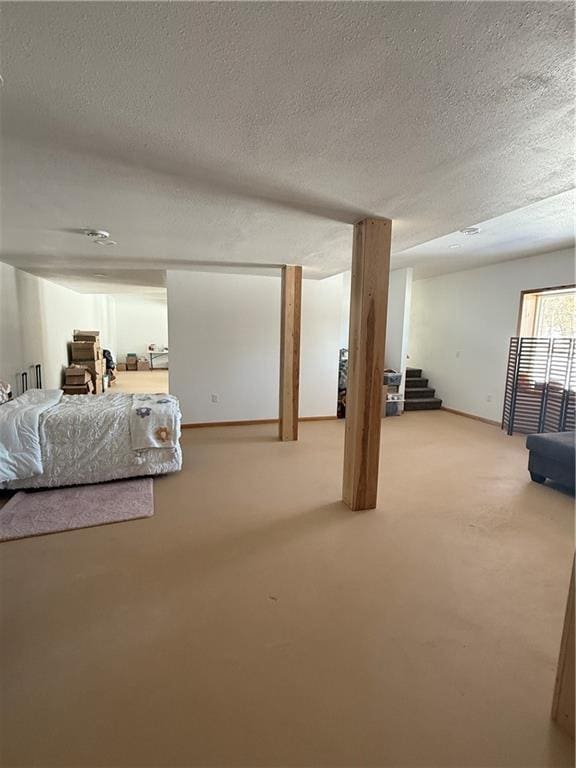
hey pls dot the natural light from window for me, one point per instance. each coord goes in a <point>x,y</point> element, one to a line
<point>549,314</point>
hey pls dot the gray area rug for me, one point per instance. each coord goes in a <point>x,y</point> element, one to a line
<point>34,513</point>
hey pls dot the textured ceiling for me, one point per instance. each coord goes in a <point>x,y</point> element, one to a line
<point>256,133</point>
<point>545,226</point>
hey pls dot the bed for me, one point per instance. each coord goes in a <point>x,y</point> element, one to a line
<point>48,439</point>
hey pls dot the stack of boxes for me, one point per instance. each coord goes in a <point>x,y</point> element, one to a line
<point>131,362</point>
<point>86,352</point>
<point>78,381</point>
<point>392,400</point>
<point>134,363</point>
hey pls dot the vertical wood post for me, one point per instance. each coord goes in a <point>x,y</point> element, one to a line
<point>563,702</point>
<point>290,352</point>
<point>367,338</point>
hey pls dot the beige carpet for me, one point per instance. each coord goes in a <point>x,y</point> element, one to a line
<point>142,382</point>
<point>255,621</point>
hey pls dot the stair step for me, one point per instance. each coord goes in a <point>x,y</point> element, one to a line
<point>414,383</point>
<point>420,393</point>
<point>413,373</point>
<point>422,404</point>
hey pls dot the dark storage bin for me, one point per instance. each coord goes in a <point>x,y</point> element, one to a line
<point>392,379</point>
<point>394,407</point>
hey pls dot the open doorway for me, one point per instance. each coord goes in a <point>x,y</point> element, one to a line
<point>141,342</point>
<point>548,313</point>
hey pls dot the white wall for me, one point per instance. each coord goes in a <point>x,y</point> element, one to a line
<point>462,323</point>
<point>139,321</point>
<point>398,322</point>
<point>398,319</point>
<point>11,352</point>
<point>37,320</point>
<point>225,340</point>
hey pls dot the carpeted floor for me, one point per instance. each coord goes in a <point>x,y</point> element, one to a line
<point>256,621</point>
<point>140,381</point>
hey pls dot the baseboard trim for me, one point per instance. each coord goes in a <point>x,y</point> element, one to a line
<point>250,422</point>
<point>471,416</point>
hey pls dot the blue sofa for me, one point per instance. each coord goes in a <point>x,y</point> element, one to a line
<point>552,456</point>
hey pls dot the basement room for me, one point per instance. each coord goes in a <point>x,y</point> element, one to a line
<point>287,384</point>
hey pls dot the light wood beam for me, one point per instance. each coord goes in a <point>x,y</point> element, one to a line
<point>367,338</point>
<point>563,703</point>
<point>290,352</point>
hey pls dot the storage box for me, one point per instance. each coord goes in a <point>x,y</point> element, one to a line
<point>143,365</point>
<point>392,378</point>
<point>76,369</point>
<point>80,389</point>
<point>394,407</point>
<point>120,366</point>
<point>85,350</point>
<point>79,375</point>
<point>96,367</point>
<point>87,336</point>
<point>131,362</point>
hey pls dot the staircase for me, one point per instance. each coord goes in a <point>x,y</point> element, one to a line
<point>418,396</point>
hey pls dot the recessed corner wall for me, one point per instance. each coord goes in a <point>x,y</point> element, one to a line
<point>462,323</point>
<point>37,320</point>
<point>224,333</point>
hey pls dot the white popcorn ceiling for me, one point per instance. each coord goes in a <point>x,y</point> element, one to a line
<point>254,134</point>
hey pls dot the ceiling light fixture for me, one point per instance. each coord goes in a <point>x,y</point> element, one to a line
<point>470,230</point>
<point>97,234</point>
<point>97,274</point>
<point>455,245</point>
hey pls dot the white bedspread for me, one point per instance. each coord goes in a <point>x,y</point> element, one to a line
<point>20,449</point>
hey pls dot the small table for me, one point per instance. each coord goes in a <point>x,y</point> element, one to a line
<point>154,355</point>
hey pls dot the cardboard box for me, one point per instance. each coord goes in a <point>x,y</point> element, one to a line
<point>95,367</point>
<point>85,350</point>
<point>78,378</point>
<point>131,362</point>
<point>76,370</point>
<point>120,366</point>
<point>80,389</point>
<point>87,336</point>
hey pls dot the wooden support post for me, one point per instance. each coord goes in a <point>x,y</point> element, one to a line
<point>563,703</point>
<point>368,308</point>
<point>290,352</point>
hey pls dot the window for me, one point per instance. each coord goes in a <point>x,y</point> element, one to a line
<point>548,313</point>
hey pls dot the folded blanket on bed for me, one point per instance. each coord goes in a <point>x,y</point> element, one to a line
<point>20,453</point>
<point>154,421</point>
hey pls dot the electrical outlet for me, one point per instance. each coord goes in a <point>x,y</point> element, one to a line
<point>215,398</point>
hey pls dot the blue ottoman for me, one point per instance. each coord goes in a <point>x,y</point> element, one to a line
<point>552,456</point>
